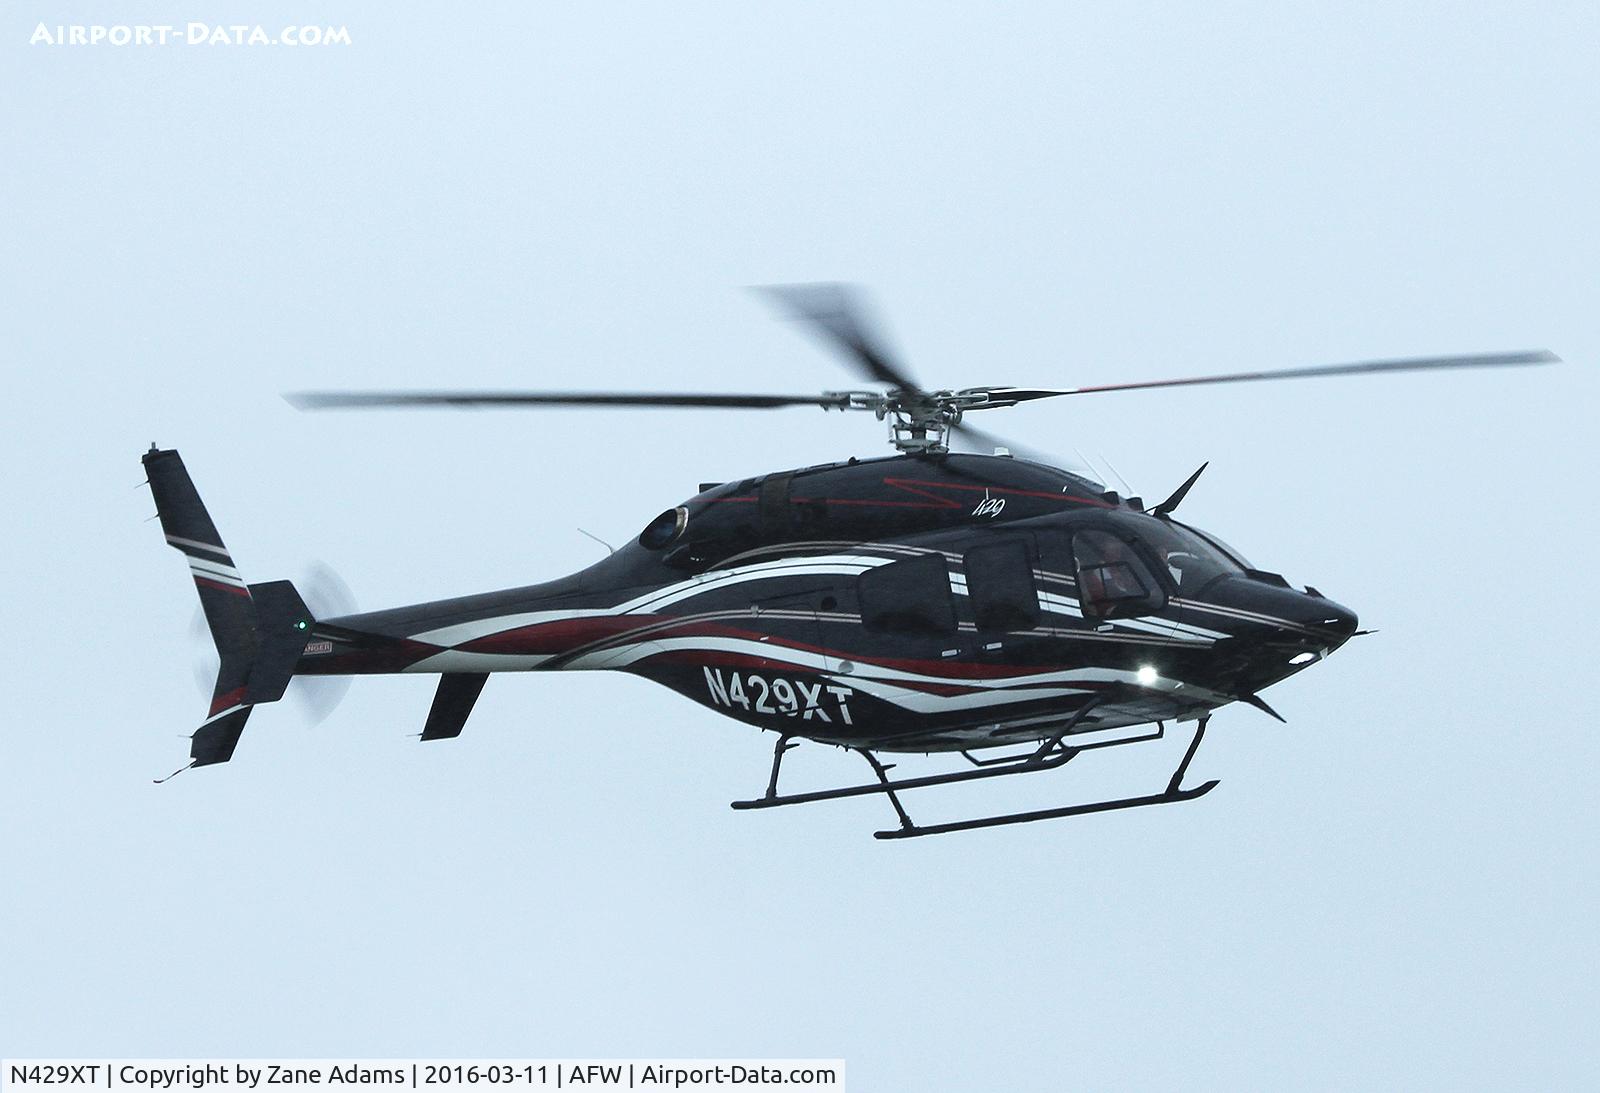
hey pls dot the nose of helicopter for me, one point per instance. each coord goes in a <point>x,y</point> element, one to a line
<point>1338,619</point>
<point>1324,619</point>
<point>1270,600</point>
<point>1275,630</point>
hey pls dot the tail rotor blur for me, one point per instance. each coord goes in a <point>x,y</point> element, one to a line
<point>327,595</point>
<point>315,697</point>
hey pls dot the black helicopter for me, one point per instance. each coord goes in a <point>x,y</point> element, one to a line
<point>991,606</point>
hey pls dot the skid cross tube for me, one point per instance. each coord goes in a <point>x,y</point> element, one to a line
<point>784,744</point>
<point>1194,746</point>
<point>888,788</point>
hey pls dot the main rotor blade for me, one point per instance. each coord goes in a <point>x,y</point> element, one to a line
<point>836,313</point>
<point>1010,396</point>
<point>366,400</point>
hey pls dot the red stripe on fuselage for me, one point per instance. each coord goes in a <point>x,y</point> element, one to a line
<point>721,659</point>
<point>921,488</point>
<point>565,636</point>
<point>913,485</point>
<point>559,635</point>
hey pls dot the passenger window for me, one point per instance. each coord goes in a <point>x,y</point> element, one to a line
<point>1000,586</point>
<point>913,596</point>
<point>1055,555</point>
<point>1113,582</point>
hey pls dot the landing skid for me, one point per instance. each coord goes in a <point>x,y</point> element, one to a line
<point>912,831</point>
<point>1051,754</point>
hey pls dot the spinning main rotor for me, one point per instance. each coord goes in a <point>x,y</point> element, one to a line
<point>919,420</point>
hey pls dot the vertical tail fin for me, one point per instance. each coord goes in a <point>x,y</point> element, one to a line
<point>259,631</point>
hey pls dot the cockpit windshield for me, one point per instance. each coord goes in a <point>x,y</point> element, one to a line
<point>1191,558</point>
<point>1233,555</point>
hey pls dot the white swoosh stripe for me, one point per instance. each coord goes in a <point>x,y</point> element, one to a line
<point>847,564</point>
<point>228,577</point>
<point>462,632</point>
<point>867,670</point>
<point>196,544</point>
<point>220,716</point>
<point>454,660</point>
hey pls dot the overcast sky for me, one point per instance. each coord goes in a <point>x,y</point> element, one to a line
<point>1395,889</point>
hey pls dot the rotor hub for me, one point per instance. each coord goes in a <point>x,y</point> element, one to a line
<point>919,421</point>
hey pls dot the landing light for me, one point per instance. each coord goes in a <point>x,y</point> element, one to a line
<point>1302,658</point>
<point>1147,675</point>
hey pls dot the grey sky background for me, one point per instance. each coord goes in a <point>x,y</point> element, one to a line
<point>1396,889</point>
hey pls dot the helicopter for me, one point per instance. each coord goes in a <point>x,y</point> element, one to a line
<point>991,607</point>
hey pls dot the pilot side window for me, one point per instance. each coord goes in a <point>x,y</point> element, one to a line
<point>1113,581</point>
<point>912,596</point>
<point>1000,586</point>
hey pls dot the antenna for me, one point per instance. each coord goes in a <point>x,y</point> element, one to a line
<point>1127,490</point>
<point>609,548</point>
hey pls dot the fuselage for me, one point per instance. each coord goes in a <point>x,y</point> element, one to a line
<point>914,603</point>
